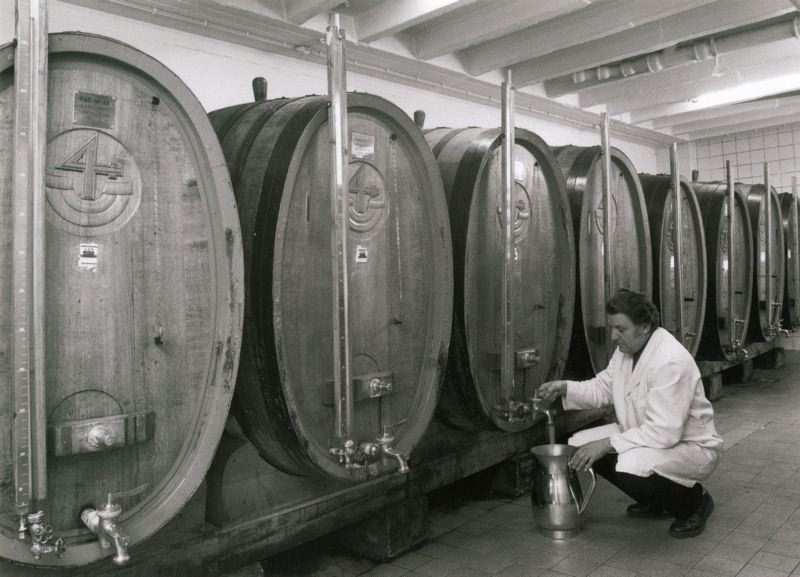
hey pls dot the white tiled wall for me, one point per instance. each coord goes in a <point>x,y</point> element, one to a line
<point>747,151</point>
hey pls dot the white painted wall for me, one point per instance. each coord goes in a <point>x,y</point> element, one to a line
<point>219,73</point>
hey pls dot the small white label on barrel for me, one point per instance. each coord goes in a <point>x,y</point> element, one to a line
<point>362,254</point>
<point>520,172</point>
<point>362,145</point>
<point>87,256</point>
<point>97,110</point>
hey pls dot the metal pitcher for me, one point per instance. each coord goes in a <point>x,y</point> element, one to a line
<point>556,495</point>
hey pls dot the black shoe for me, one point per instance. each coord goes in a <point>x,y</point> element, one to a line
<point>693,525</point>
<point>647,511</point>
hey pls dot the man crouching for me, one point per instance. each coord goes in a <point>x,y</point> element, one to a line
<point>666,442</point>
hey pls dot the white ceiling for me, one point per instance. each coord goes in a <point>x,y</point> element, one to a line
<point>694,68</point>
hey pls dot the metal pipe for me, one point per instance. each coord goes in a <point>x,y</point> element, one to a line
<point>337,125</point>
<point>796,243</point>
<point>731,261</point>
<point>768,250</point>
<point>608,262</point>
<point>507,384</point>
<point>711,47</point>
<point>28,279</point>
<point>678,238</point>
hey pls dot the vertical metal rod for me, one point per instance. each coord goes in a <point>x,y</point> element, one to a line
<point>731,259</point>
<point>678,239</point>
<point>796,243</point>
<point>337,123</point>
<point>768,249</point>
<point>507,385</point>
<point>608,262</point>
<point>30,138</point>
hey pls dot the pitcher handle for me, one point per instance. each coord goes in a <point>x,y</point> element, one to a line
<point>582,506</point>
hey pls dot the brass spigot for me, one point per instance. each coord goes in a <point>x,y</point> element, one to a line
<point>42,542</point>
<point>102,522</point>
<point>385,441</point>
<point>513,411</point>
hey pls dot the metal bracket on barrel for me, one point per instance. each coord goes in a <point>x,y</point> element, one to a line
<point>100,434</point>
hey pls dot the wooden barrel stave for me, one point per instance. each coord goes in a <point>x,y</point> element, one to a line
<point>713,200</point>
<point>144,292</point>
<point>590,348</point>
<point>765,316</point>
<point>659,195</point>
<point>471,164</point>
<point>400,278</point>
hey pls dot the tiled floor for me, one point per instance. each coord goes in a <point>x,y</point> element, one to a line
<point>754,531</point>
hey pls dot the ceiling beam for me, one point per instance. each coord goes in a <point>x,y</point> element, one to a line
<point>275,36</point>
<point>721,112</point>
<point>484,21</point>
<point>694,80</point>
<point>395,16</point>
<point>740,117</point>
<point>735,127</point>
<point>595,21</point>
<point>703,21</point>
<point>298,11</point>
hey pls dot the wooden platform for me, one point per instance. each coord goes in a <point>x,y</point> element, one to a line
<point>443,457</point>
<point>716,373</point>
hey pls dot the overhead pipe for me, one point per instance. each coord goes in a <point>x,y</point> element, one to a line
<point>708,48</point>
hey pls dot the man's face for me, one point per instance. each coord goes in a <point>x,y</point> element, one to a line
<point>629,337</point>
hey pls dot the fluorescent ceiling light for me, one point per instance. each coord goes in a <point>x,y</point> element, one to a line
<point>748,91</point>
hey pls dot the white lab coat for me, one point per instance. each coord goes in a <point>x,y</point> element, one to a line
<point>666,421</point>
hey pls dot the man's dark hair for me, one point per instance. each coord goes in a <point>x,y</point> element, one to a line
<point>635,305</point>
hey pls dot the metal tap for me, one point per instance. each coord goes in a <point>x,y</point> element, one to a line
<point>385,441</point>
<point>102,523</point>
<point>513,411</point>
<point>347,454</point>
<point>42,542</point>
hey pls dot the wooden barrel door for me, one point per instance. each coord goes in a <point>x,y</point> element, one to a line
<point>767,308</point>
<point>660,198</point>
<point>543,272</point>
<point>726,321</point>
<point>400,281</point>
<point>144,294</point>
<point>791,236</point>
<point>630,239</point>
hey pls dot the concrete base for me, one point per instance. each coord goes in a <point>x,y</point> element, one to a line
<point>713,386</point>
<point>390,532</point>
<point>513,477</point>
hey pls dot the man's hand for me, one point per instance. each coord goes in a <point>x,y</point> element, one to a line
<point>551,390</point>
<point>586,455</point>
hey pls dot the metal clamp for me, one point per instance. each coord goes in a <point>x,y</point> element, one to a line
<point>41,533</point>
<point>513,411</point>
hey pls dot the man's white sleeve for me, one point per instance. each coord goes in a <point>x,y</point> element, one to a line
<point>593,393</point>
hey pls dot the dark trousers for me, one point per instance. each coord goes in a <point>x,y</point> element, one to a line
<point>655,490</point>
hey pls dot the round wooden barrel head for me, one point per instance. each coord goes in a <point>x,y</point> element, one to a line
<point>142,294</point>
<point>542,276</point>
<point>630,240</point>
<point>399,291</point>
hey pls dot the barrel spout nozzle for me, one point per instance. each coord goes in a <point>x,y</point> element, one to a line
<point>102,522</point>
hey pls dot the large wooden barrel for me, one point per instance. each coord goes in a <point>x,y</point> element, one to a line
<point>400,279</point>
<point>630,239</point>
<point>660,198</point>
<point>143,294</point>
<point>791,297</point>
<point>717,338</point>
<point>543,274</point>
<point>767,310</point>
